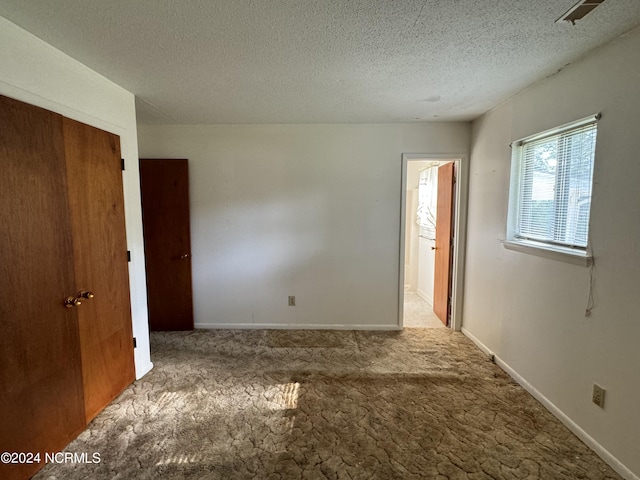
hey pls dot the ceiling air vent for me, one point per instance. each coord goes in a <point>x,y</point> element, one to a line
<point>579,10</point>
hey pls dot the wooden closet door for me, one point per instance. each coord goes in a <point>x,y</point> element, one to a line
<point>41,398</point>
<point>96,203</point>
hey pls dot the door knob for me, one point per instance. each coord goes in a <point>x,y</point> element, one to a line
<point>184,255</point>
<point>433,248</point>
<point>71,302</point>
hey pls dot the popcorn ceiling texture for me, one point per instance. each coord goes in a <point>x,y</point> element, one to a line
<point>283,404</point>
<point>319,61</point>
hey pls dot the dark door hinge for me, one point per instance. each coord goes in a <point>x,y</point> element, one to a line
<point>128,255</point>
<point>122,163</point>
<point>135,343</point>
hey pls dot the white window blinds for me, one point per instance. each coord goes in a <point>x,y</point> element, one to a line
<point>554,179</point>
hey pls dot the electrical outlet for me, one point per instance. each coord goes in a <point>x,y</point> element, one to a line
<point>598,395</point>
<point>292,301</point>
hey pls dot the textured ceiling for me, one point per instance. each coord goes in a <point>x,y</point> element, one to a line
<point>319,61</point>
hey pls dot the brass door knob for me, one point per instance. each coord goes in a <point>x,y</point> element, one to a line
<point>71,302</point>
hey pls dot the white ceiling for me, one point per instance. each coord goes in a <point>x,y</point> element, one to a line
<point>319,61</point>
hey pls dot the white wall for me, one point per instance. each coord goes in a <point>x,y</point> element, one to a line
<point>36,73</point>
<point>419,251</point>
<point>426,269</point>
<point>305,210</point>
<point>529,310</point>
<point>412,240</point>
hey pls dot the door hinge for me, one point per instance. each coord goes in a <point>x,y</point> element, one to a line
<point>122,163</point>
<point>128,255</point>
<point>455,179</point>
<point>135,343</point>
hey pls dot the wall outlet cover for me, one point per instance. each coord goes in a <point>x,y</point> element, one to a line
<point>598,395</point>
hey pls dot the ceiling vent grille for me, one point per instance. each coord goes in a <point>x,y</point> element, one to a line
<point>579,11</point>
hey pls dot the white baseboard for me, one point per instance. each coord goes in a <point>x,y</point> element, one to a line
<point>142,370</point>
<point>570,424</point>
<point>293,326</point>
<point>426,297</point>
<point>477,342</point>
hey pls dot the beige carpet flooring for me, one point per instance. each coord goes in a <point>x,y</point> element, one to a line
<point>418,313</point>
<point>268,404</point>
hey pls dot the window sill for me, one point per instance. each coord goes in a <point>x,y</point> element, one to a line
<point>567,255</point>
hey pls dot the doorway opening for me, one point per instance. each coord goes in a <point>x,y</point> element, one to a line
<point>431,241</point>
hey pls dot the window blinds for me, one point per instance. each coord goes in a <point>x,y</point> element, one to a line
<point>554,181</point>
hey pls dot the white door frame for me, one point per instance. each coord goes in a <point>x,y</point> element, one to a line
<point>460,231</point>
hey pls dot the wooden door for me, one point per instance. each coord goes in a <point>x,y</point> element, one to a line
<point>41,397</point>
<point>96,202</point>
<point>167,243</point>
<point>444,242</point>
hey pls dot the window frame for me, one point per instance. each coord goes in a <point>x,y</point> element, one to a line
<point>545,248</point>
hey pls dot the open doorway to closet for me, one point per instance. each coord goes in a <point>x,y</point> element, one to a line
<point>431,239</point>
